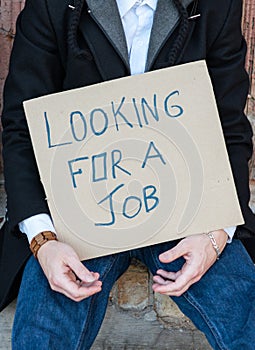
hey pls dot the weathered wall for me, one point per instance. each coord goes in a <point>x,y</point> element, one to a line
<point>249,33</point>
<point>9,9</point>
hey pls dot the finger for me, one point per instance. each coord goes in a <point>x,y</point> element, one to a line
<point>75,279</point>
<point>185,279</point>
<point>173,254</point>
<point>81,271</point>
<point>157,288</point>
<point>71,288</point>
<point>163,277</point>
<point>80,293</point>
<point>182,278</point>
<point>159,280</point>
<point>88,284</point>
<point>169,275</point>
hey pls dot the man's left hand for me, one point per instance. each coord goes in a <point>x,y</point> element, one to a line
<point>199,254</point>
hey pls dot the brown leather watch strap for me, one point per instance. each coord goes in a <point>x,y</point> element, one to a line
<point>40,239</point>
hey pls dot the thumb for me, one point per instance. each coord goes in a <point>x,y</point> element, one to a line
<point>81,271</point>
<point>172,254</point>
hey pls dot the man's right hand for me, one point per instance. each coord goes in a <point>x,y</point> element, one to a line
<point>65,273</point>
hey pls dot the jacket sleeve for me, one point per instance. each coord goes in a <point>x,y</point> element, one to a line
<point>35,70</point>
<point>226,61</point>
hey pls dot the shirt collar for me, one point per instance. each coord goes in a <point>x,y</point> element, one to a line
<point>125,5</point>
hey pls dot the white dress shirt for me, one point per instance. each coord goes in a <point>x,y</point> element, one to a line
<point>137,19</point>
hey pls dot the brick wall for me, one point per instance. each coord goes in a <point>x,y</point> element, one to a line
<point>249,33</point>
<point>9,9</point>
<point>132,303</point>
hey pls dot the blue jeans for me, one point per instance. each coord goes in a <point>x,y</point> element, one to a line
<point>221,304</point>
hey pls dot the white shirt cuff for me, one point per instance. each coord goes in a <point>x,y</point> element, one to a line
<point>230,232</point>
<point>36,224</point>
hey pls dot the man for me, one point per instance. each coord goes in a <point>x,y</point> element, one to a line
<point>61,46</point>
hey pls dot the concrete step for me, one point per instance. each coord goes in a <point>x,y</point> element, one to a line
<point>123,330</point>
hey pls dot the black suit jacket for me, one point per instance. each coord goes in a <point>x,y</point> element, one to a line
<point>43,63</point>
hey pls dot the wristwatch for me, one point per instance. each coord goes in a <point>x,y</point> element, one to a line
<point>40,239</point>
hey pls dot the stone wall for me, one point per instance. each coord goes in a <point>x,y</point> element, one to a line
<point>249,33</point>
<point>9,9</point>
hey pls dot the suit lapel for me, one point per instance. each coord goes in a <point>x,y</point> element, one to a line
<point>165,20</point>
<point>106,14</point>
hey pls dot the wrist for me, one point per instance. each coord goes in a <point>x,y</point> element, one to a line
<point>40,239</point>
<point>218,240</point>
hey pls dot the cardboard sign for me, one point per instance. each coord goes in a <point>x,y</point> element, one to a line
<point>134,161</point>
